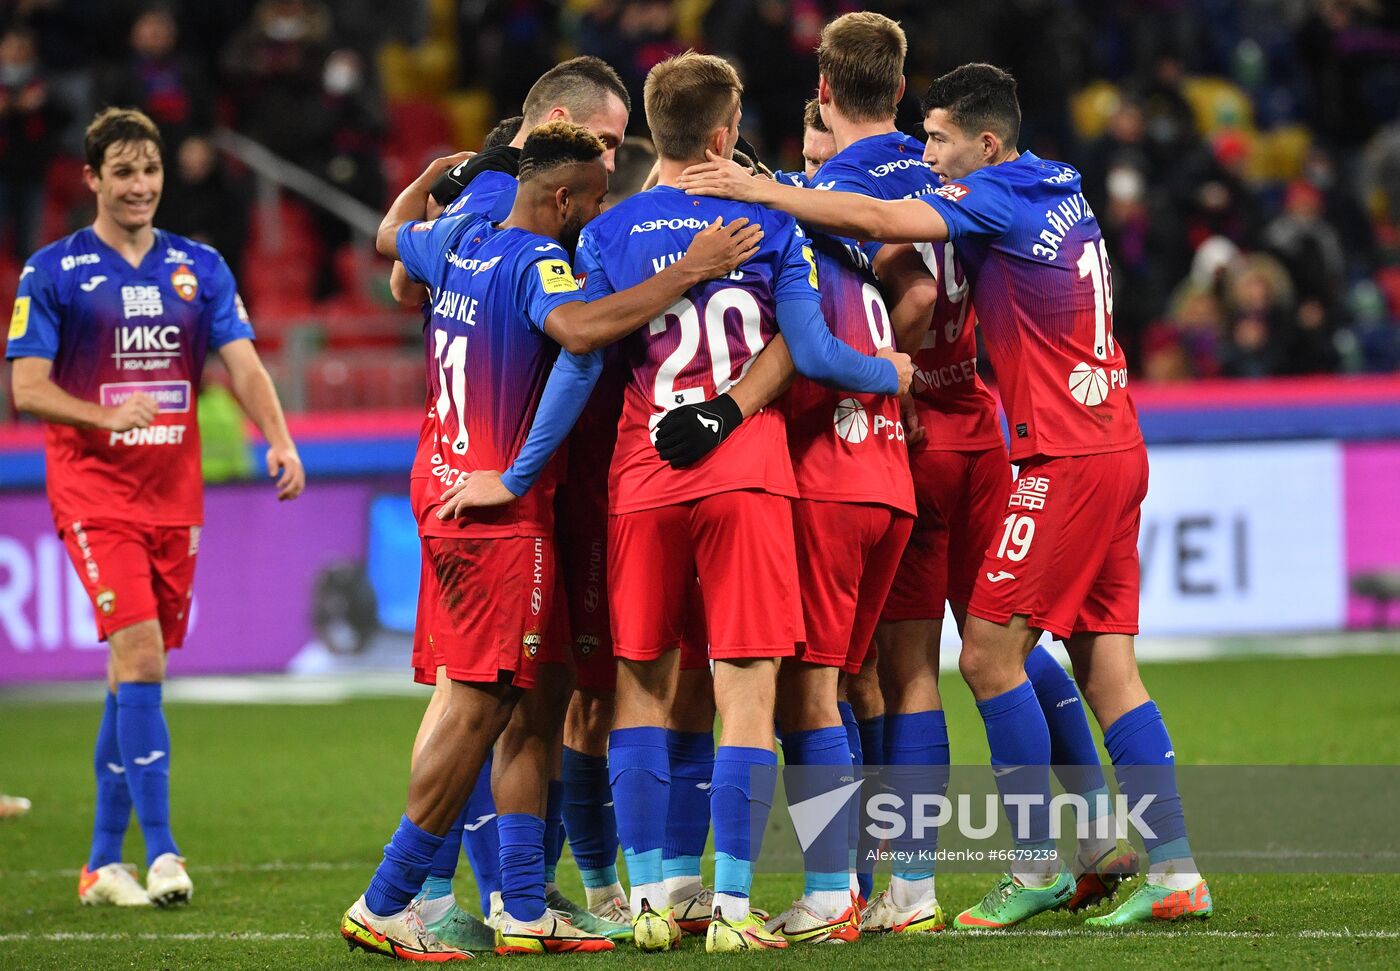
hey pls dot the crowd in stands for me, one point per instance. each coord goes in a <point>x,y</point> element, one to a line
<point>1243,157</point>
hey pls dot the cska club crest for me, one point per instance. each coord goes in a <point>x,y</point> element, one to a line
<point>184,281</point>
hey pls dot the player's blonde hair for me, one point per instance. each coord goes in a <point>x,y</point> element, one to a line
<point>557,143</point>
<point>862,58</point>
<point>113,126</point>
<point>687,97</point>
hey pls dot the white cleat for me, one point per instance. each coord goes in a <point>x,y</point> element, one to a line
<point>114,884</point>
<point>617,909</point>
<point>167,883</point>
<point>401,936</point>
<point>800,924</point>
<point>497,912</point>
<point>12,806</point>
<point>883,917</point>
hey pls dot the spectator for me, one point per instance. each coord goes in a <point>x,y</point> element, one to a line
<point>1309,248</point>
<point>276,65</point>
<point>160,80</point>
<point>204,201</point>
<point>344,133</point>
<point>30,125</point>
<point>1260,303</point>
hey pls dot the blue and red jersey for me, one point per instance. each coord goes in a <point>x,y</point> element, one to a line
<point>487,361</point>
<point>955,408</point>
<point>1041,282</point>
<point>111,330</point>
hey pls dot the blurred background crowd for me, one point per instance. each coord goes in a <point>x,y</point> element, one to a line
<point>1243,156</point>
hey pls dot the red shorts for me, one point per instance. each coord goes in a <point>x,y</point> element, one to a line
<point>962,501</point>
<point>487,606</point>
<point>1066,555</point>
<point>740,546</point>
<point>582,535</point>
<point>134,573</point>
<point>847,554</point>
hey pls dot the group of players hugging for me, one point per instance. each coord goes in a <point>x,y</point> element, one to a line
<point>711,440</point>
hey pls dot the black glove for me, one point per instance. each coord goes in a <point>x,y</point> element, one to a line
<point>450,184</point>
<point>689,433</point>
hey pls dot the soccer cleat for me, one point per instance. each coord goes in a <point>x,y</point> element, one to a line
<point>550,934</point>
<point>881,916</point>
<point>655,930</point>
<point>497,911</point>
<point>693,913</point>
<point>800,924</point>
<point>586,920</point>
<point>114,884</point>
<point>461,930</point>
<point>401,936</point>
<point>12,806</point>
<point>725,936</point>
<point>167,883</point>
<point>616,909</point>
<point>1153,902</point>
<point>1009,903</point>
<point>1102,880</point>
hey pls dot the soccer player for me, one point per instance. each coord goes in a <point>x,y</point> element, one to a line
<point>1066,559</point>
<point>587,90</point>
<point>108,340</point>
<point>727,519</point>
<point>504,293</point>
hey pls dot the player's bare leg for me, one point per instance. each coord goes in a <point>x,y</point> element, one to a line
<point>993,664</point>
<point>1105,666</point>
<point>690,736</point>
<point>437,902</point>
<point>135,672</point>
<point>449,760</point>
<point>589,816</point>
<point>641,782</point>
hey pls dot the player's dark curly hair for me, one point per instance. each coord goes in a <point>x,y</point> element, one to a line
<point>557,143</point>
<point>504,133</point>
<point>978,98</point>
<point>115,126</point>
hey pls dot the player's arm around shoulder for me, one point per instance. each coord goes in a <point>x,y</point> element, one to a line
<point>715,251</point>
<point>841,213</point>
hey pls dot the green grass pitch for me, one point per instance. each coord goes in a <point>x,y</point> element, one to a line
<point>281,811</point>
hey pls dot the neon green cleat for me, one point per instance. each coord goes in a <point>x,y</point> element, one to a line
<point>586,920</point>
<point>725,937</point>
<point>1153,902</point>
<point>654,930</point>
<point>461,930</point>
<point>1009,903</point>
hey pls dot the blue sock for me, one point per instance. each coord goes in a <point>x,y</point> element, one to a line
<point>480,837</point>
<point>1146,766</point>
<point>819,761</point>
<point>872,747</point>
<point>407,859</point>
<point>589,820</point>
<point>553,828</point>
<point>1072,750</point>
<point>688,812</point>
<point>639,766</point>
<point>522,865</point>
<point>1018,737</point>
<point>444,868</point>
<point>144,739</point>
<point>848,722</point>
<point>113,813</point>
<point>916,761</point>
<point>741,794</point>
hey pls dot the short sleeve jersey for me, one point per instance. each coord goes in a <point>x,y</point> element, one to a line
<point>699,347</point>
<point>955,408</point>
<point>1043,289</point>
<point>112,330</point>
<point>487,361</point>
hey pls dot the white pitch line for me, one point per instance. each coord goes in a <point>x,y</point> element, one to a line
<point>275,866</point>
<point>80,936</point>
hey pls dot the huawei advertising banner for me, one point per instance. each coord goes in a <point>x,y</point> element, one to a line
<point>260,563</point>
